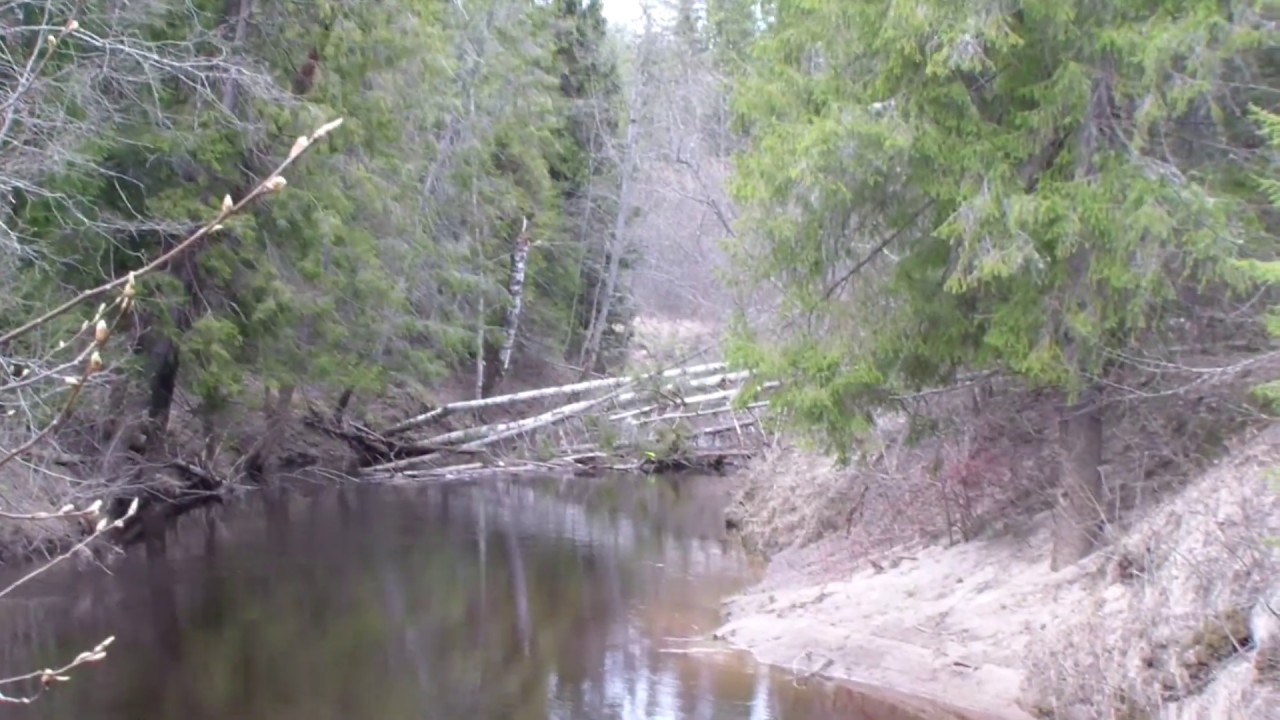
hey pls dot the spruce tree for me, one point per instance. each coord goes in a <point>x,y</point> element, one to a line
<point>939,185</point>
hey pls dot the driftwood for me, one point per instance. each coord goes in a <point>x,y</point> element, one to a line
<point>582,464</point>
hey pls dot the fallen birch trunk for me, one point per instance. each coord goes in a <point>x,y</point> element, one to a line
<point>721,429</point>
<point>541,393</point>
<point>693,400</point>
<point>437,453</point>
<point>691,414</point>
<point>672,389</point>
<point>586,463</point>
<point>486,431</point>
<point>619,397</point>
<point>536,422</point>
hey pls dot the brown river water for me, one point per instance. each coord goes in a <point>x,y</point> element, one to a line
<point>584,599</point>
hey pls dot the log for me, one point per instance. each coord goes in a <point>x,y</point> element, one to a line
<point>695,400</point>
<point>538,421</point>
<point>433,455</point>
<point>541,393</point>
<point>674,388</point>
<point>691,414</point>
<point>721,429</point>
<point>568,465</point>
<point>732,394</point>
<point>620,396</point>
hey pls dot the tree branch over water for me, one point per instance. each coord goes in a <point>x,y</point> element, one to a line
<point>89,360</point>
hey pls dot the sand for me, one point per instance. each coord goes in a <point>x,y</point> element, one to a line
<point>947,624</point>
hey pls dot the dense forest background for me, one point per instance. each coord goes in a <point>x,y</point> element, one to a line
<point>870,202</point>
<point>510,179</point>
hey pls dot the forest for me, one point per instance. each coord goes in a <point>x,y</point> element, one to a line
<point>242,237</point>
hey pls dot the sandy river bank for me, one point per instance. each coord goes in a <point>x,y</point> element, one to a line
<point>1149,623</point>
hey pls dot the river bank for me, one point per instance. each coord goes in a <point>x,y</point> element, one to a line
<point>1170,619</point>
<point>203,460</point>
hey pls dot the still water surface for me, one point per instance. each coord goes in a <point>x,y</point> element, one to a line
<point>538,600</point>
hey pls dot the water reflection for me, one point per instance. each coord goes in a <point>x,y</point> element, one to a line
<point>514,601</point>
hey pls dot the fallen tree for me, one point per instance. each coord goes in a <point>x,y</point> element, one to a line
<point>686,417</point>
<point>444,411</point>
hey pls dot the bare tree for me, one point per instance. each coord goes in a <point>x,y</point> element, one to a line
<point>619,240</point>
<point>680,181</point>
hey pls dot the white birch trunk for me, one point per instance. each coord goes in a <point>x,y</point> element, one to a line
<point>684,415</point>
<point>507,430</point>
<point>480,352</point>
<point>515,287</point>
<point>542,393</point>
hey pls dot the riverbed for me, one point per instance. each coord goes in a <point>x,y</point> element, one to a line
<point>552,598</point>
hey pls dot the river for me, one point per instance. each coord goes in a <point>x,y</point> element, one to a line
<point>542,599</point>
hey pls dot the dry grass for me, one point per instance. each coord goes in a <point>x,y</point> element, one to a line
<point>980,461</point>
<point>1176,619</point>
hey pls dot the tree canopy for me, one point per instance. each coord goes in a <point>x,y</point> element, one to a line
<point>1039,188</point>
<point>1051,190</point>
<point>390,249</point>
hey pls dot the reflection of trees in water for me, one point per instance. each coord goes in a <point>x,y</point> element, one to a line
<point>482,602</point>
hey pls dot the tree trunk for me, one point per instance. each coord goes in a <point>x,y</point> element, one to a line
<point>344,400</point>
<point>617,246</point>
<point>276,413</point>
<point>511,322</point>
<point>1079,518</point>
<point>164,356</point>
<point>481,347</point>
<point>239,10</point>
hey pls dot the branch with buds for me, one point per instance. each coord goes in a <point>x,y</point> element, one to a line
<point>66,512</point>
<point>91,357</point>
<point>274,182</point>
<point>104,525</point>
<point>49,677</point>
<point>116,298</point>
<point>90,361</point>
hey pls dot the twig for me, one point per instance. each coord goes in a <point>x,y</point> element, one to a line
<point>273,182</point>
<point>103,526</point>
<point>65,512</point>
<point>48,677</point>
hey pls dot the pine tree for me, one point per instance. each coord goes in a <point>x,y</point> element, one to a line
<point>943,185</point>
